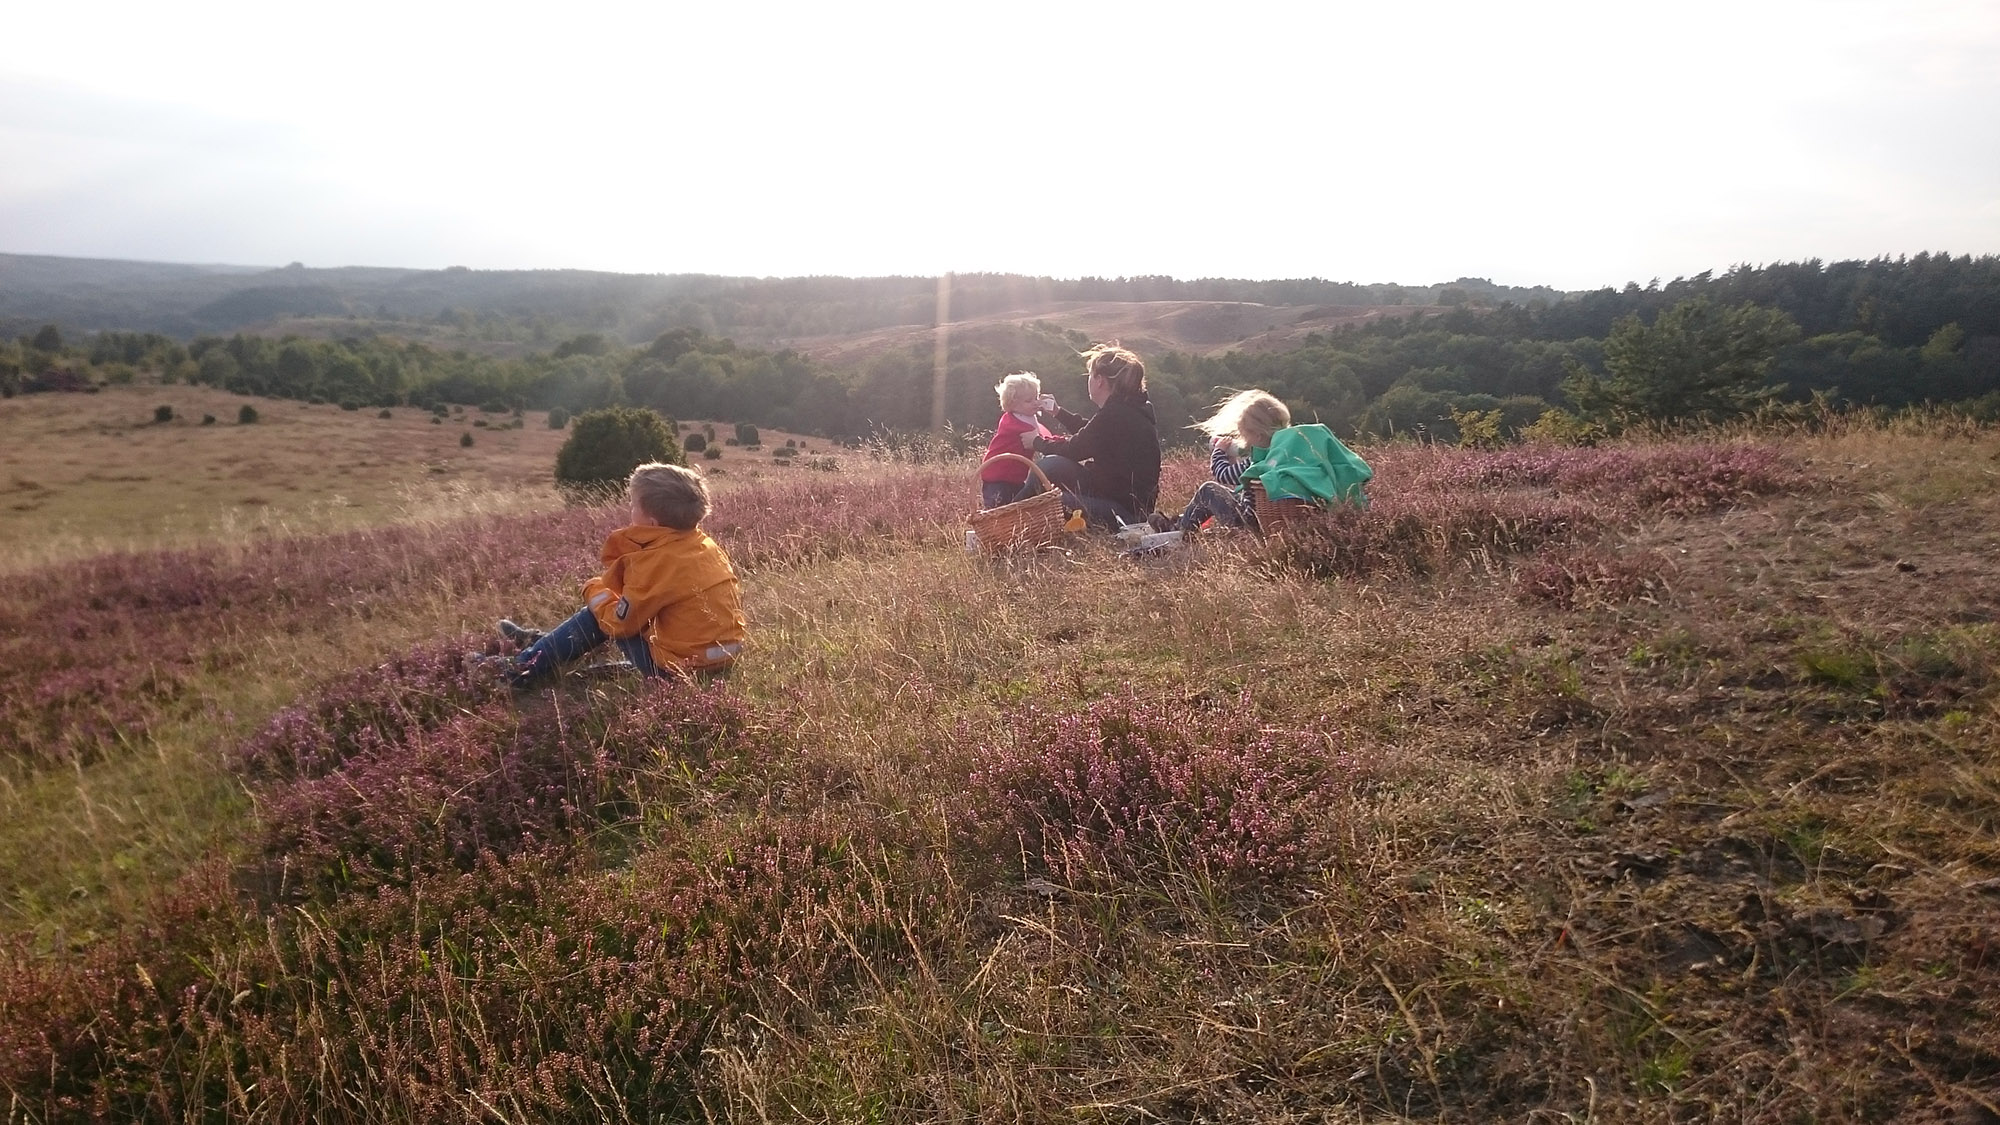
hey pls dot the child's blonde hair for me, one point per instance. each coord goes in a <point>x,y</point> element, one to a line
<point>1022,387</point>
<point>676,496</point>
<point>1249,415</point>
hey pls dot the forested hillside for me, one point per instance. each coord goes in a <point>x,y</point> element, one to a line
<point>1469,361</point>
<point>87,296</point>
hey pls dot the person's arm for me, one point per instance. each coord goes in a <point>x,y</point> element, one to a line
<point>1087,442</point>
<point>623,608</point>
<point>1222,463</point>
<point>625,611</point>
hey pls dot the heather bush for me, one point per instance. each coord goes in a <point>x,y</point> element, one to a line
<point>370,710</point>
<point>393,775</point>
<point>114,1032</point>
<point>1417,533</point>
<point>98,651</point>
<point>1676,477</point>
<point>536,983</point>
<point>1574,575</point>
<point>1134,786</point>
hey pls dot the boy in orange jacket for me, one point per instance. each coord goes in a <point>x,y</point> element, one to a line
<point>667,597</point>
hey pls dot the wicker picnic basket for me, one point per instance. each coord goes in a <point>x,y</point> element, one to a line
<point>1273,516</point>
<point>1032,523</point>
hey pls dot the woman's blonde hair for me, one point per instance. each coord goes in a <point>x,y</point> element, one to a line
<point>1247,415</point>
<point>1121,368</point>
<point>1018,386</point>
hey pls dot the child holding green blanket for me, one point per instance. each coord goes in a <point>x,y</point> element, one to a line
<point>1251,437</point>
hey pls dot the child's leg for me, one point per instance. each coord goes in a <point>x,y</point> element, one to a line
<point>639,651</point>
<point>994,493</point>
<point>1061,471</point>
<point>1105,515</point>
<point>564,643</point>
<point>1212,499</point>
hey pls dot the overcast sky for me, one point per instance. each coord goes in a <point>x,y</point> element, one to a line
<point>1567,144</point>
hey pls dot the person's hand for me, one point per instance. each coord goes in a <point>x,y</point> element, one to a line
<point>1220,443</point>
<point>1048,404</point>
<point>1028,439</point>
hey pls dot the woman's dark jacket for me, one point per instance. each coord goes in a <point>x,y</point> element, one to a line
<point>1119,449</point>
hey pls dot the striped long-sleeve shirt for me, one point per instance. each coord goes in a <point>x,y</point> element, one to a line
<point>1224,465</point>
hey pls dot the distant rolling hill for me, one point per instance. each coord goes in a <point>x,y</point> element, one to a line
<point>840,320</point>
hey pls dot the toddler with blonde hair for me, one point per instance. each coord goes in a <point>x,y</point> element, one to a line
<point>1021,404</point>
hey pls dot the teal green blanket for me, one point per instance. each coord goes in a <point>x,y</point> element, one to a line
<point>1309,463</point>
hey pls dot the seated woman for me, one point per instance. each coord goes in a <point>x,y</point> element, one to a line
<point>1109,465</point>
<point>1251,436</point>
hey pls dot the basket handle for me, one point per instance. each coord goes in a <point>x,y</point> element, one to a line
<point>1028,461</point>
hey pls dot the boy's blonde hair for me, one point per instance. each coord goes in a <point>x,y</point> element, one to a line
<point>1119,367</point>
<point>1021,387</point>
<point>676,496</point>
<point>1247,414</point>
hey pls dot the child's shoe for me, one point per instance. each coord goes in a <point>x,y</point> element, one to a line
<point>518,633</point>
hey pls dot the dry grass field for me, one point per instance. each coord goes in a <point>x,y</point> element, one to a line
<point>1655,782</point>
<point>81,474</point>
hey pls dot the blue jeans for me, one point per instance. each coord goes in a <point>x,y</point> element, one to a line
<point>1067,476</point>
<point>994,493</point>
<point>570,640</point>
<point>1216,499</point>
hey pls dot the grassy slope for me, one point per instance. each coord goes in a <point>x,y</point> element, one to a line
<point>84,474</point>
<point>1710,835</point>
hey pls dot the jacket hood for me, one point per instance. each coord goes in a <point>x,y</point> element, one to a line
<point>1137,400</point>
<point>641,536</point>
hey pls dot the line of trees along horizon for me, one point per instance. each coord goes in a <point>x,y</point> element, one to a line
<point>1884,332</point>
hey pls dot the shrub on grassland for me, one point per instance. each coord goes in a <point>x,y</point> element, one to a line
<point>604,446</point>
<point>1134,786</point>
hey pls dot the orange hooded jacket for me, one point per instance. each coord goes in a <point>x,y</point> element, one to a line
<point>676,588</point>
